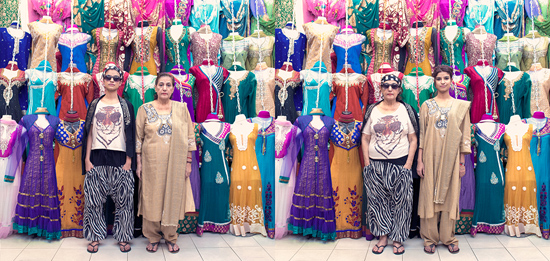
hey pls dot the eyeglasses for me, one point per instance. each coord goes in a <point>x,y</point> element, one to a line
<point>114,78</point>
<point>394,86</point>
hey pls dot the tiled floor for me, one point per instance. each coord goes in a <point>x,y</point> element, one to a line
<point>228,247</point>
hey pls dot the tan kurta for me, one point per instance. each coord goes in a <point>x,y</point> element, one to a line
<point>442,145</point>
<point>265,89</point>
<point>163,141</point>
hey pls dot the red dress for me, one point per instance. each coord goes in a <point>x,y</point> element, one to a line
<point>357,91</point>
<point>83,92</point>
<point>207,89</point>
<point>483,91</point>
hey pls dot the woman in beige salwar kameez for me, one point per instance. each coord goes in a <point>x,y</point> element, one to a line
<point>444,140</point>
<point>165,137</point>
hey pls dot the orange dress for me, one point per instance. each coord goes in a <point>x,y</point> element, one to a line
<point>520,192</point>
<point>245,192</point>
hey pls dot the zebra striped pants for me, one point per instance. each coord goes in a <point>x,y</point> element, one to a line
<point>389,194</point>
<point>103,181</point>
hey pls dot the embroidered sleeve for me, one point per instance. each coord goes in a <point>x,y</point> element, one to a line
<point>140,128</point>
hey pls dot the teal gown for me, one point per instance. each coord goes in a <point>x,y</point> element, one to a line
<point>514,96</point>
<point>214,212</point>
<point>182,44</point>
<point>36,82</point>
<point>240,92</point>
<point>311,78</point>
<point>458,45</point>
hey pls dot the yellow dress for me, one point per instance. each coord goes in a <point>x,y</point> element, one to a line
<point>425,43</point>
<point>149,42</point>
<point>520,191</point>
<point>245,192</point>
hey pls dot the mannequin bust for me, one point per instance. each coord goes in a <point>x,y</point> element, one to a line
<point>109,30</point>
<point>6,117</point>
<point>316,122</point>
<point>42,122</point>
<point>284,72</point>
<point>205,32</point>
<point>176,30</point>
<point>384,31</point>
<point>281,118</point>
<point>241,129</point>
<point>346,122</point>
<point>486,124</point>
<point>212,124</point>
<point>516,128</point>
<point>538,119</point>
<point>10,71</point>
<point>71,121</point>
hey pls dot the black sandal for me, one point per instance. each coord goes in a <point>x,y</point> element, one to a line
<point>122,246</point>
<point>378,252</point>
<point>95,247</point>
<point>152,250</point>
<point>432,249</point>
<point>452,250</point>
<point>397,252</point>
<point>172,245</point>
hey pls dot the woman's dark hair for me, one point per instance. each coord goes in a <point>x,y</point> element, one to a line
<point>164,74</point>
<point>442,68</point>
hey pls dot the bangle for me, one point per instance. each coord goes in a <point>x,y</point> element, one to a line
<point>462,163</point>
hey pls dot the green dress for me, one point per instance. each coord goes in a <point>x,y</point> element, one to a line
<point>237,93</point>
<point>455,46</point>
<point>133,91</point>
<point>514,49</point>
<point>365,15</point>
<point>425,89</point>
<point>267,22</point>
<point>183,44</point>
<point>8,11</point>
<point>282,10</point>
<point>239,51</point>
<point>514,96</point>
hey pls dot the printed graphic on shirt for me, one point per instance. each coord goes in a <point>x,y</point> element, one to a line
<point>109,124</point>
<point>388,131</point>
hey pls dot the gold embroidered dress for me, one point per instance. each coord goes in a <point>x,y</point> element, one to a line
<point>44,38</point>
<point>319,39</point>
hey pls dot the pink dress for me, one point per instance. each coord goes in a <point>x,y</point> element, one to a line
<point>483,90</point>
<point>60,11</point>
<point>207,88</point>
<point>335,11</point>
<point>427,12</point>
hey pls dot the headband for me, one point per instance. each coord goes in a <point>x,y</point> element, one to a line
<point>112,66</point>
<point>391,77</point>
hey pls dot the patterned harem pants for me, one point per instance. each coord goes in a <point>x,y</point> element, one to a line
<point>103,181</point>
<point>389,194</point>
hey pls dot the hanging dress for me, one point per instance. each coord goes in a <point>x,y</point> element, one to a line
<point>416,94</point>
<point>512,52</point>
<point>483,90</point>
<point>319,43</point>
<point>44,39</point>
<point>37,210</point>
<point>69,183</point>
<point>476,51</point>
<point>381,50</point>
<point>334,11</point>
<point>285,91</point>
<point>315,83</point>
<point>452,49</point>
<point>352,44</point>
<point>206,12</point>
<point>264,45</point>
<point>40,83</point>
<point>458,11</point>
<point>265,90</point>
<point>81,93</point>
<point>234,51</point>
<point>89,15</point>
<point>203,48</point>
<point>182,12</point>
<point>357,93</point>
<point>520,192</point>
<point>236,18</point>
<point>480,12</point>
<point>287,146</point>
<point>461,89</point>
<point>286,44</point>
<point>9,103</point>
<point>239,95</point>
<point>489,179</point>
<point>143,48</point>
<point>509,17</point>
<point>208,89</point>
<point>78,43</point>
<point>424,39</point>
<point>262,9</point>
<point>531,50</point>
<point>10,42</point>
<point>13,138</point>
<point>245,195</point>
<point>540,149</point>
<point>312,211</point>
<point>183,91</point>
<point>514,95</point>
<point>365,15</point>
<point>182,45</point>
<point>282,11</point>
<point>347,181</point>
<point>108,49</point>
<point>140,90</point>
<point>214,215</point>
<point>539,90</point>
<point>118,12</point>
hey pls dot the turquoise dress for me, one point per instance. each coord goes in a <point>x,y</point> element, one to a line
<point>214,212</point>
<point>489,207</point>
<point>182,43</point>
<point>514,96</point>
<point>457,45</point>
<point>540,149</point>
<point>312,80</point>
<point>481,12</point>
<point>206,12</point>
<point>36,82</point>
<point>265,154</point>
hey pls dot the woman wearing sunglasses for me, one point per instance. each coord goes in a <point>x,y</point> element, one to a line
<point>108,155</point>
<point>444,141</point>
<point>390,130</point>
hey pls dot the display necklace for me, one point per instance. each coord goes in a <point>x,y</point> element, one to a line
<point>48,6</point>
<point>141,51</point>
<point>179,86</point>
<point>15,50</point>
<point>288,54</point>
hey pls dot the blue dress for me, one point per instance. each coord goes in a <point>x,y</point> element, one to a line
<point>312,80</point>
<point>355,46</point>
<point>79,51</point>
<point>7,44</point>
<point>239,16</point>
<point>297,48</point>
<point>36,81</point>
<point>514,12</point>
<point>265,154</point>
<point>540,149</point>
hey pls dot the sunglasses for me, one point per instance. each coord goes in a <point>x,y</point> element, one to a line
<point>114,78</point>
<point>394,86</point>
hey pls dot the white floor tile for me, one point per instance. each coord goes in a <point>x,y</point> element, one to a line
<point>418,254</point>
<point>492,254</point>
<point>312,255</point>
<point>318,244</point>
<point>252,253</point>
<point>15,241</point>
<point>72,242</point>
<point>415,243</point>
<point>184,254</point>
<point>526,253</point>
<point>36,255</point>
<point>513,242</point>
<point>281,254</point>
<point>71,254</point>
<point>40,243</point>
<point>109,254</point>
<point>289,242</point>
<point>218,254</point>
<point>386,255</point>
<point>545,251</point>
<point>347,254</point>
<point>209,240</point>
<point>234,241</point>
<point>484,241</point>
<point>465,253</point>
<point>539,241</point>
<point>348,243</point>
<point>141,254</point>
<point>9,254</point>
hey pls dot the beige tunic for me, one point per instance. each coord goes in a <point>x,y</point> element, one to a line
<point>163,141</point>
<point>442,145</point>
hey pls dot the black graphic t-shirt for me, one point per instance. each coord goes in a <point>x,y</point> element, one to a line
<point>389,133</point>
<point>108,127</point>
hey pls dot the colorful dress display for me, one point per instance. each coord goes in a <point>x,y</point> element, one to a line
<point>215,215</point>
<point>424,11</point>
<point>365,15</point>
<point>44,42</point>
<point>461,89</point>
<point>79,95</point>
<point>143,47</point>
<point>42,84</point>
<point>476,51</point>
<point>285,90</point>
<point>58,11</point>
<point>177,49</point>
<point>287,44</point>
<point>206,12</point>
<point>89,15</point>
<point>319,42</point>
<point>417,90</point>
<point>234,18</point>
<point>353,45</point>
<point>183,91</point>
<point>509,17</point>
<point>347,180</point>
<point>381,49</point>
<point>312,211</point>
<point>208,90</point>
<point>255,46</point>
<point>109,46</point>
<point>140,89</point>
<point>69,184</point>
<point>234,51</point>
<point>117,12</point>
<point>317,88</point>
<point>282,10</point>
<point>508,52</point>
<point>480,12</point>
<point>182,11</point>
<point>424,39</point>
<point>457,11</point>
<point>15,137</point>
<point>452,49</point>
<point>265,90</point>
<point>540,89</point>
<point>287,145</point>
<point>534,51</point>
<point>514,95</point>
<point>394,12</point>
<point>10,12</point>
<point>265,154</point>
<point>239,95</point>
<point>355,94</point>
<point>18,41</point>
<point>540,149</point>
<point>334,11</point>
<point>245,194</point>
<point>489,181</point>
<point>37,210</point>
<point>520,192</point>
<point>483,89</point>
<point>9,103</point>
<point>205,47</point>
<point>78,42</point>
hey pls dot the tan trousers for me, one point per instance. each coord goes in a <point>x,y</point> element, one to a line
<point>151,230</point>
<point>432,233</point>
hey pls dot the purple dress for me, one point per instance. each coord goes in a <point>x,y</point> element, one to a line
<point>37,210</point>
<point>312,211</point>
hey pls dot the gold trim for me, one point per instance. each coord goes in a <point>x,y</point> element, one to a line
<point>300,195</point>
<point>36,217</point>
<point>303,207</point>
<point>308,219</point>
<point>35,206</point>
<point>37,194</point>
